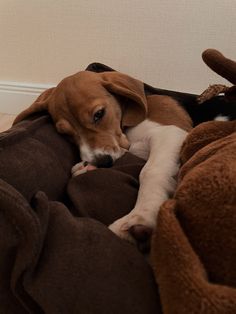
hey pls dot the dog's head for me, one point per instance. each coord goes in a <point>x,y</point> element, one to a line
<point>93,108</point>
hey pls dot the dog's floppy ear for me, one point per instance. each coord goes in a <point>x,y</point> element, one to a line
<point>40,104</point>
<point>132,95</point>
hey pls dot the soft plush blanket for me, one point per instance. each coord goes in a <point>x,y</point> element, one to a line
<point>194,245</point>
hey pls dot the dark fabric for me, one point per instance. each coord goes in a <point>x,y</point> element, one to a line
<point>35,157</point>
<point>53,260</point>
<point>107,194</point>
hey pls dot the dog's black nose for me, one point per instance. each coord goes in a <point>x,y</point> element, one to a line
<point>104,161</point>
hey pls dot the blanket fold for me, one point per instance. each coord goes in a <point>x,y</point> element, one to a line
<point>109,193</point>
<point>56,262</point>
<point>184,284</point>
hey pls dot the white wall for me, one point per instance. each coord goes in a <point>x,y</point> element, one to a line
<point>157,41</point>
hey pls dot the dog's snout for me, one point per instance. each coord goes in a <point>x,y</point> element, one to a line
<point>104,161</point>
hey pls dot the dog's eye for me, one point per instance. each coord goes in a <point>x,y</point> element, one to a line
<point>98,115</point>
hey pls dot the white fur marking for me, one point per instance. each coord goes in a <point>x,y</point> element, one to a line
<point>221,118</point>
<point>87,154</point>
<point>161,146</point>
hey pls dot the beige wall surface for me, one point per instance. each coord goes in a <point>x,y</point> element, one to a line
<point>157,41</point>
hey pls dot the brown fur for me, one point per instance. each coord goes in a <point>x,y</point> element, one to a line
<point>165,110</point>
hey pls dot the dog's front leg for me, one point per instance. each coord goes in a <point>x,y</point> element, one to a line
<point>157,183</point>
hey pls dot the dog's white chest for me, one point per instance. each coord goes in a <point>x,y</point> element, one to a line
<point>164,137</point>
<point>139,137</point>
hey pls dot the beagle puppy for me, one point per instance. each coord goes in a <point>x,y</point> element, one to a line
<point>107,114</point>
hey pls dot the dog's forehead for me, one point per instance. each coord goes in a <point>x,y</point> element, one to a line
<point>84,87</point>
<point>82,78</point>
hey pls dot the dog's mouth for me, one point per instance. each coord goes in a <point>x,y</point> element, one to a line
<point>106,159</point>
<point>104,153</point>
<point>103,161</point>
<point>101,157</point>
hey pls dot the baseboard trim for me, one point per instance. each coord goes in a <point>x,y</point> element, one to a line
<point>15,96</point>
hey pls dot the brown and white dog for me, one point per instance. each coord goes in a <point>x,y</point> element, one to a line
<point>107,114</point>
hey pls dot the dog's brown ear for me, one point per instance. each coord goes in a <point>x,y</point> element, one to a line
<point>40,104</point>
<point>131,93</point>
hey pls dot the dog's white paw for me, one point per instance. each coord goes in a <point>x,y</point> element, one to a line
<point>135,228</point>
<point>81,168</point>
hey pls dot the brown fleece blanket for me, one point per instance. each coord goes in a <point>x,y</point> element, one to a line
<point>56,253</point>
<point>59,257</point>
<point>194,245</point>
